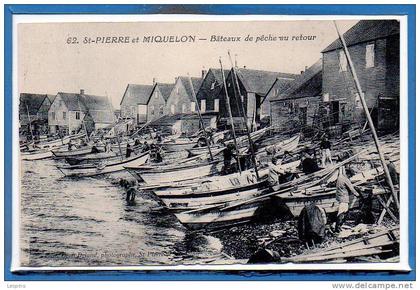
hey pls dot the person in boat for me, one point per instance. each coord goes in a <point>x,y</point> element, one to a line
<point>228,155</point>
<point>156,153</point>
<point>325,147</point>
<point>345,196</point>
<point>128,151</point>
<point>309,164</point>
<point>146,147</point>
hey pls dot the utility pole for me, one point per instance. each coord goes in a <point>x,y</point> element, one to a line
<point>230,115</point>
<point>369,119</point>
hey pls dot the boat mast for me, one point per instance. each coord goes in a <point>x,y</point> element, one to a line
<point>200,117</point>
<point>83,120</point>
<point>369,119</point>
<point>244,116</point>
<point>230,115</point>
<point>30,125</point>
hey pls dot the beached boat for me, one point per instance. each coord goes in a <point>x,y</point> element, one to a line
<point>75,152</point>
<point>104,168</point>
<point>202,219</point>
<point>92,158</point>
<point>58,142</point>
<point>282,146</point>
<point>178,145</point>
<point>174,173</point>
<point>36,154</point>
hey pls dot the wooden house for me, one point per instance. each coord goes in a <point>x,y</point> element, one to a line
<point>181,99</point>
<point>208,94</point>
<point>133,104</point>
<point>278,86</point>
<point>157,100</point>
<point>295,107</point>
<point>254,86</point>
<point>33,109</point>
<point>374,49</point>
<point>69,110</point>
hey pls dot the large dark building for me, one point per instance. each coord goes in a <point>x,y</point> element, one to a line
<point>375,52</point>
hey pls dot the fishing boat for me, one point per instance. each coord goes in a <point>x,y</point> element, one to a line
<point>36,154</point>
<point>92,158</point>
<point>68,153</point>
<point>282,146</point>
<point>178,145</point>
<point>58,142</point>
<point>103,168</point>
<point>241,142</point>
<point>174,173</point>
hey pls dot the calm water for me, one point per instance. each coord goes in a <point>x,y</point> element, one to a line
<point>86,222</point>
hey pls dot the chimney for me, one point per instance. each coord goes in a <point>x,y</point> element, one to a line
<point>82,91</point>
<point>203,73</point>
<point>154,80</point>
<point>301,72</point>
<point>236,61</point>
<point>244,66</point>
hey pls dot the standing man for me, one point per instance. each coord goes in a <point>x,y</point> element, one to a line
<point>325,151</point>
<point>345,196</point>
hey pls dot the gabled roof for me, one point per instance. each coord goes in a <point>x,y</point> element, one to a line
<point>137,94</point>
<point>78,102</point>
<point>280,85</point>
<point>196,82</point>
<point>51,98</point>
<point>73,101</point>
<point>260,81</point>
<point>218,74</point>
<point>366,30</point>
<point>302,80</point>
<point>30,103</point>
<point>165,89</point>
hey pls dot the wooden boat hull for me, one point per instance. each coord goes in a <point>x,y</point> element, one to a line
<point>178,204</point>
<point>174,174</point>
<point>171,147</point>
<point>92,158</point>
<point>216,219</point>
<point>58,142</point>
<point>94,170</point>
<point>37,155</point>
<point>69,153</point>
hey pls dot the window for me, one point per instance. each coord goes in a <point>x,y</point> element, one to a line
<point>212,85</point>
<point>77,115</point>
<point>326,97</point>
<point>173,109</point>
<point>161,109</point>
<point>216,105</point>
<point>192,106</point>
<point>53,115</point>
<point>152,110</point>
<point>203,106</point>
<point>343,61</point>
<point>370,55</point>
<point>184,108</point>
<point>64,115</point>
<point>156,95</point>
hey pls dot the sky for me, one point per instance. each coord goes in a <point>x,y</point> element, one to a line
<point>52,57</point>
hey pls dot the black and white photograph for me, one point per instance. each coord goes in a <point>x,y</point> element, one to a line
<point>224,144</point>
